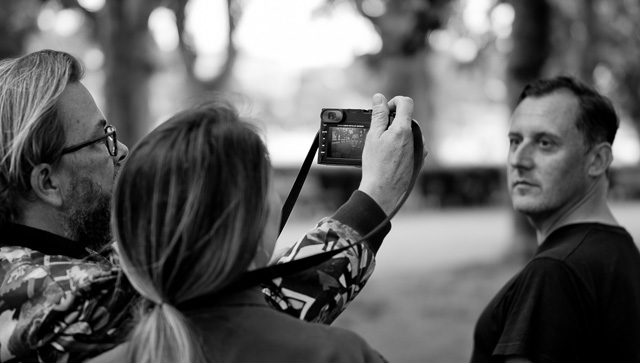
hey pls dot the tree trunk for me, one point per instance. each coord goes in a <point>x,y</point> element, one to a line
<point>531,48</point>
<point>129,66</point>
<point>17,20</point>
<point>589,55</point>
<point>221,80</point>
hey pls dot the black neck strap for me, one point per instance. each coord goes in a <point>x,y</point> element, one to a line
<point>261,275</point>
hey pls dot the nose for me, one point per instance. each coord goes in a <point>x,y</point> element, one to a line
<point>123,152</point>
<point>521,156</point>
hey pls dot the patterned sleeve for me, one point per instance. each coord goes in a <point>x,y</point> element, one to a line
<point>322,293</point>
<point>58,309</point>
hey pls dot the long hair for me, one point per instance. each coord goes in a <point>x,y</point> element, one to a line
<point>190,207</point>
<point>30,129</point>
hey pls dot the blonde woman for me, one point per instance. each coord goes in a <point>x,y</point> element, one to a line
<point>195,209</point>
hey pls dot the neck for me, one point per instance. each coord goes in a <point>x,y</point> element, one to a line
<point>591,208</point>
<point>41,217</point>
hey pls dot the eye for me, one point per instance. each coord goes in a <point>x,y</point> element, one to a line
<point>545,143</point>
<point>514,141</point>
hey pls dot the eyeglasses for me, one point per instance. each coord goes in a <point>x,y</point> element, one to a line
<point>110,141</point>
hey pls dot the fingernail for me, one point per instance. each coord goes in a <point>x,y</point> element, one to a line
<point>377,99</point>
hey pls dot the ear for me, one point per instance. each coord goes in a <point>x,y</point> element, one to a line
<point>601,158</point>
<point>46,185</point>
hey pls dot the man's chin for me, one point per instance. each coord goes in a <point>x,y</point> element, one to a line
<point>525,205</point>
<point>90,225</point>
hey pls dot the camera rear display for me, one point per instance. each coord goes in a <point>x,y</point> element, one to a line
<point>342,135</point>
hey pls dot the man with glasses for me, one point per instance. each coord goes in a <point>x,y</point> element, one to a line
<point>58,163</point>
<point>62,298</point>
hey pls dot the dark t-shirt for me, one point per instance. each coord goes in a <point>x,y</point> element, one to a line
<point>577,300</point>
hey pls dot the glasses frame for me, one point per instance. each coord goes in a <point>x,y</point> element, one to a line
<point>110,132</point>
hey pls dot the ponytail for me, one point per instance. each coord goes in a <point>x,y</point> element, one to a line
<point>164,334</point>
<point>190,208</point>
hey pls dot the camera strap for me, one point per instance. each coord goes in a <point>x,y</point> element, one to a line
<point>290,202</point>
<point>261,275</point>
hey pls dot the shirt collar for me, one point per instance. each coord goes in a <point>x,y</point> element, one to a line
<point>571,233</point>
<point>41,241</point>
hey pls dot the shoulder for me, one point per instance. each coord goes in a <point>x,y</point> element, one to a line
<point>22,267</point>
<point>333,344</point>
<point>593,249</point>
<point>20,258</point>
<point>543,273</point>
<point>280,337</point>
<point>542,282</point>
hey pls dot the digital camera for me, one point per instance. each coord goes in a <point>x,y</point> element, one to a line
<point>342,135</point>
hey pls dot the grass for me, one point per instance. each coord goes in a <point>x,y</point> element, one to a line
<point>427,316</point>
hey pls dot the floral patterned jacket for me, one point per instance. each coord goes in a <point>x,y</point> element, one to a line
<point>60,302</point>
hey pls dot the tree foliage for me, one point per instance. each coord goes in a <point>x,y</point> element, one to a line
<point>598,40</point>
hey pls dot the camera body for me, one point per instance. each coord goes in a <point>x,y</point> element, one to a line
<point>342,135</point>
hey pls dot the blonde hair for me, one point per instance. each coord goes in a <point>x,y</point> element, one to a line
<point>189,213</point>
<point>30,129</point>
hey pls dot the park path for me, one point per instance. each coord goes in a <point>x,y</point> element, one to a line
<point>437,239</point>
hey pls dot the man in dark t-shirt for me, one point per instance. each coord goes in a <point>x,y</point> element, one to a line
<point>578,299</point>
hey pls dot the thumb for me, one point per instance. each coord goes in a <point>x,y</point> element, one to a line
<point>379,115</point>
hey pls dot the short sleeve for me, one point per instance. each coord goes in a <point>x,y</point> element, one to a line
<point>548,313</point>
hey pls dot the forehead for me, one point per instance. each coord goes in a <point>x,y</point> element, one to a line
<point>554,113</point>
<point>80,116</point>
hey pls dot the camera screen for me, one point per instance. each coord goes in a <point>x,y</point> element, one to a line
<point>346,142</point>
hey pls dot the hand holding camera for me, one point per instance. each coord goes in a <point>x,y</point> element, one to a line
<point>387,159</point>
<point>387,155</point>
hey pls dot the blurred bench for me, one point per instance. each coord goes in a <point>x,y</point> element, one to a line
<point>327,187</point>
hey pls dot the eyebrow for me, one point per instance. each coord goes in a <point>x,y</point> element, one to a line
<point>537,135</point>
<point>547,134</point>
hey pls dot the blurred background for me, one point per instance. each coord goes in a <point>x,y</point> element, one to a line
<point>281,61</point>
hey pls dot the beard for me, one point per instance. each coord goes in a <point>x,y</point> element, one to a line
<point>89,214</point>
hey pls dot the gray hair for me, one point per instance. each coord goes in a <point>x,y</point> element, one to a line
<point>31,131</point>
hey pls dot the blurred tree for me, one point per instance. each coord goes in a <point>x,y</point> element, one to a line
<point>123,32</point>
<point>189,55</point>
<point>131,57</point>
<point>615,42</point>
<point>531,45</point>
<point>400,66</point>
<point>121,28</point>
<point>17,21</point>
<point>599,41</point>
<point>526,61</point>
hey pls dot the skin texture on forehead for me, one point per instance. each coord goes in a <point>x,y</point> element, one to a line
<point>81,116</point>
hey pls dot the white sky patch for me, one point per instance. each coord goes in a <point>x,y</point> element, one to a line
<point>207,25</point>
<point>162,24</point>
<point>92,5</point>
<point>287,32</point>
<point>68,22</point>
<point>475,15</point>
